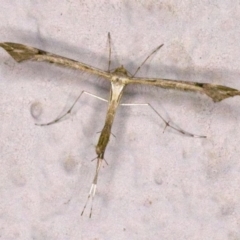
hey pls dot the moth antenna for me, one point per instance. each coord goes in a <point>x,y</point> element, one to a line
<point>155,50</point>
<point>109,51</point>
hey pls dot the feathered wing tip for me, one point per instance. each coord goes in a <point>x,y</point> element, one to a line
<point>219,92</point>
<point>20,52</point>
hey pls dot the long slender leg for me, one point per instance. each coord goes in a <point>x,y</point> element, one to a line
<point>167,123</point>
<point>93,188</point>
<point>70,109</point>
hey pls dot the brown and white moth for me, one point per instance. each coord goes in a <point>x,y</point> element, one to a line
<point>119,79</point>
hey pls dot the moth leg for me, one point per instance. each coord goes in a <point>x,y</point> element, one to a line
<point>167,123</point>
<point>70,109</point>
<point>93,188</point>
